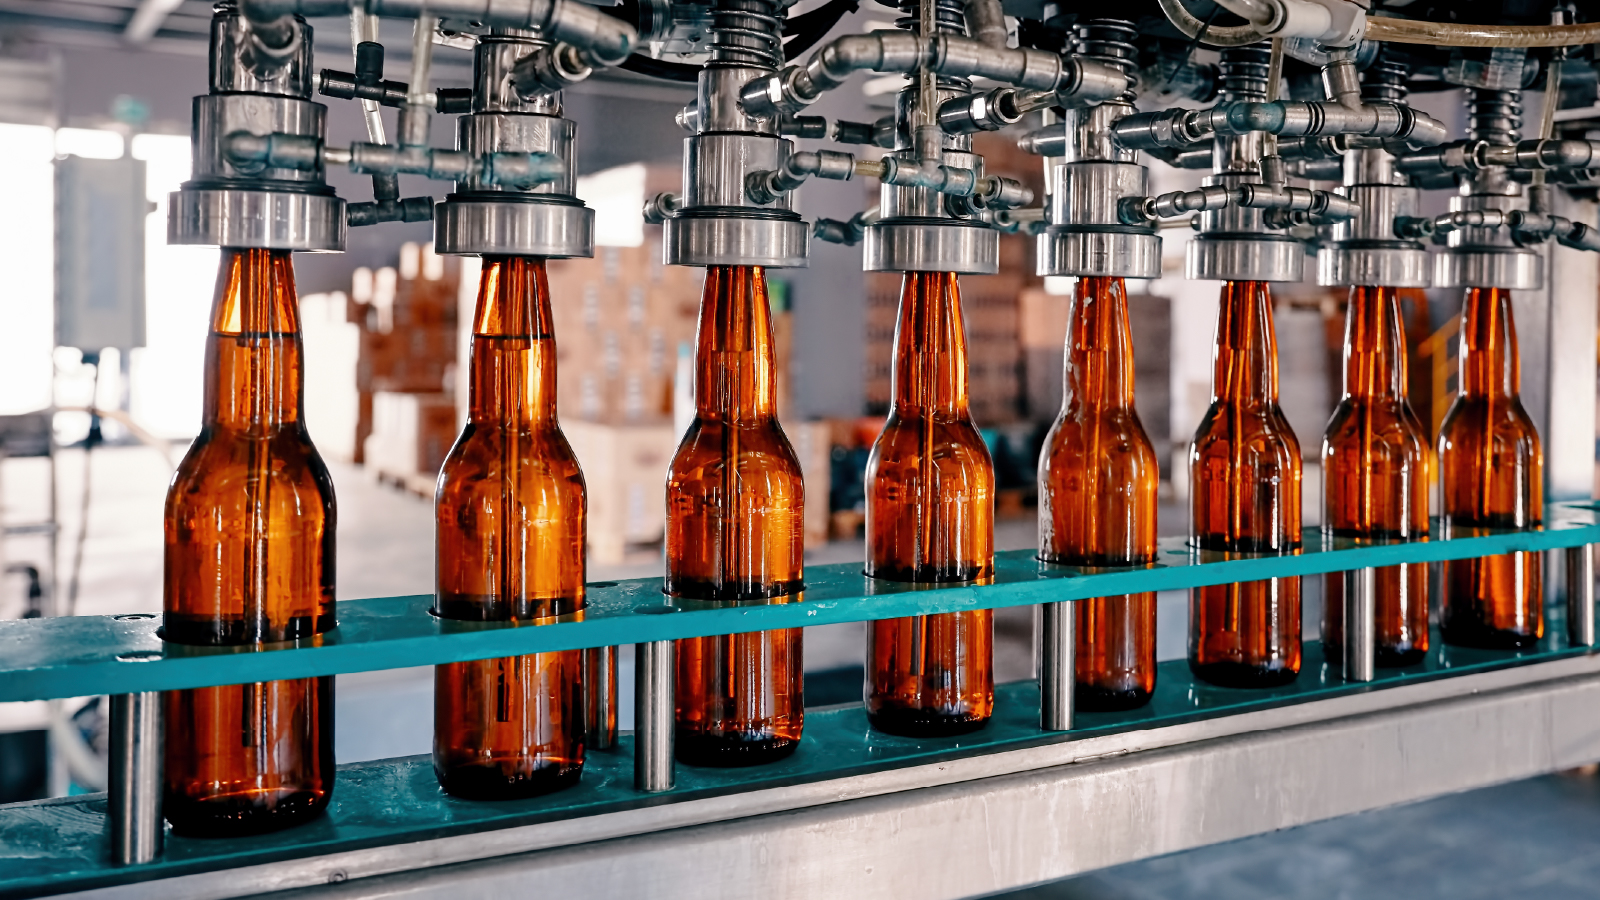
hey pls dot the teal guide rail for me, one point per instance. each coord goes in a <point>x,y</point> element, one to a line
<point>43,659</point>
<point>55,846</point>
<point>63,845</point>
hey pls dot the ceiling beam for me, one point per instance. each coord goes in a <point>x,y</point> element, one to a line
<point>147,19</point>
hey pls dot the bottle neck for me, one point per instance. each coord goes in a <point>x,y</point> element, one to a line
<point>1099,364</point>
<point>253,374</point>
<point>1374,345</point>
<point>1490,366</point>
<point>930,347</point>
<point>513,373</point>
<point>733,364</point>
<point>1246,355</point>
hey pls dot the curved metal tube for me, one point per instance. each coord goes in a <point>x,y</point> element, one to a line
<point>1215,36</point>
<point>1074,80</point>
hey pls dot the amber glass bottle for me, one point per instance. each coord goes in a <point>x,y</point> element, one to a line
<point>1375,478</point>
<point>249,559</point>
<point>930,520</point>
<point>1244,486</point>
<point>1492,474</point>
<point>509,536</point>
<point>1098,478</point>
<point>735,533</point>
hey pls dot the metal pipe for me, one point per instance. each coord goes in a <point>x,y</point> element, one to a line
<point>1360,624</point>
<point>653,707</point>
<point>365,28</point>
<point>1580,596</point>
<point>1212,35</point>
<point>134,778</point>
<point>1058,644</point>
<point>415,114</point>
<point>610,39</point>
<point>1075,81</point>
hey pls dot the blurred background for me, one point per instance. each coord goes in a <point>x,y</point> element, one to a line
<point>97,311</point>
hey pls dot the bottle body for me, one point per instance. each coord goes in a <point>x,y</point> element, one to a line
<point>249,559</point>
<point>1491,472</point>
<point>509,523</point>
<point>1244,477</point>
<point>735,533</point>
<point>1375,478</point>
<point>930,519</point>
<point>1098,482</point>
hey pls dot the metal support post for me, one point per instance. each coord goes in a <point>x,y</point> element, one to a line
<point>653,707</point>
<point>134,779</point>
<point>600,698</point>
<point>1058,643</point>
<point>1360,625</point>
<point>1580,596</point>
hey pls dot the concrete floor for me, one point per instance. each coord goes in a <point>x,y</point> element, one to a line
<point>1537,839</point>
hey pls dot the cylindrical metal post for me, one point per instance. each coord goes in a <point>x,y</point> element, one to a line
<point>1580,596</point>
<point>1360,625</point>
<point>1058,643</point>
<point>600,698</point>
<point>653,707</point>
<point>134,781</point>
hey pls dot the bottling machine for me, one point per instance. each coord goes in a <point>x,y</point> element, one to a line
<point>1299,111</point>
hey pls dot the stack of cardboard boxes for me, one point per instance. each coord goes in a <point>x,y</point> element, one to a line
<point>408,360</point>
<point>619,321</point>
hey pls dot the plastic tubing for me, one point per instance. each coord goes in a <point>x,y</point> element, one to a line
<point>1452,34</point>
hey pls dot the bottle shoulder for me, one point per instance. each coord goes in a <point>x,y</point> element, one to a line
<point>222,460</point>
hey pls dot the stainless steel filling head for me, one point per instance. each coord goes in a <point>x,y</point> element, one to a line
<point>506,224</point>
<point>1244,257</point>
<point>735,237</point>
<point>1496,267</point>
<point>246,217</point>
<point>931,245</point>
<point>1387,264</point>
<point>1127,253</point>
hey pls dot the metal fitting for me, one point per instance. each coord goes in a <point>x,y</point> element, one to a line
<point>517,197</point>
<point>766,186</point>
<point>258,178</point>
<point>980,112</point>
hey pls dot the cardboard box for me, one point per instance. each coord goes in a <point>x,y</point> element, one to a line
<point>625,470</point>
<point>411,435</point>
<point>813,444</point>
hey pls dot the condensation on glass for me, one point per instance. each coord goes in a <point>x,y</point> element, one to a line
<point>1244,485</point>
<point>249,559</point>
<point>1375,478</point>
<point>1491,470</point>
<point>735,534</point>
<point>509,511</point>
<point>930,520</point>
<point>1098,482</point>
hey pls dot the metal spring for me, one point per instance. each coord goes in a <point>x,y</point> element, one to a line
<point>747,33</point>
<point>1244,72</point>
<point>1111,41</point>
<point>1385,80</point>
<point>949,14</point>
<point>1494,116</point>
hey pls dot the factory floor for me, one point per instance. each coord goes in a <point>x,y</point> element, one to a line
<point>1532,838</point>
